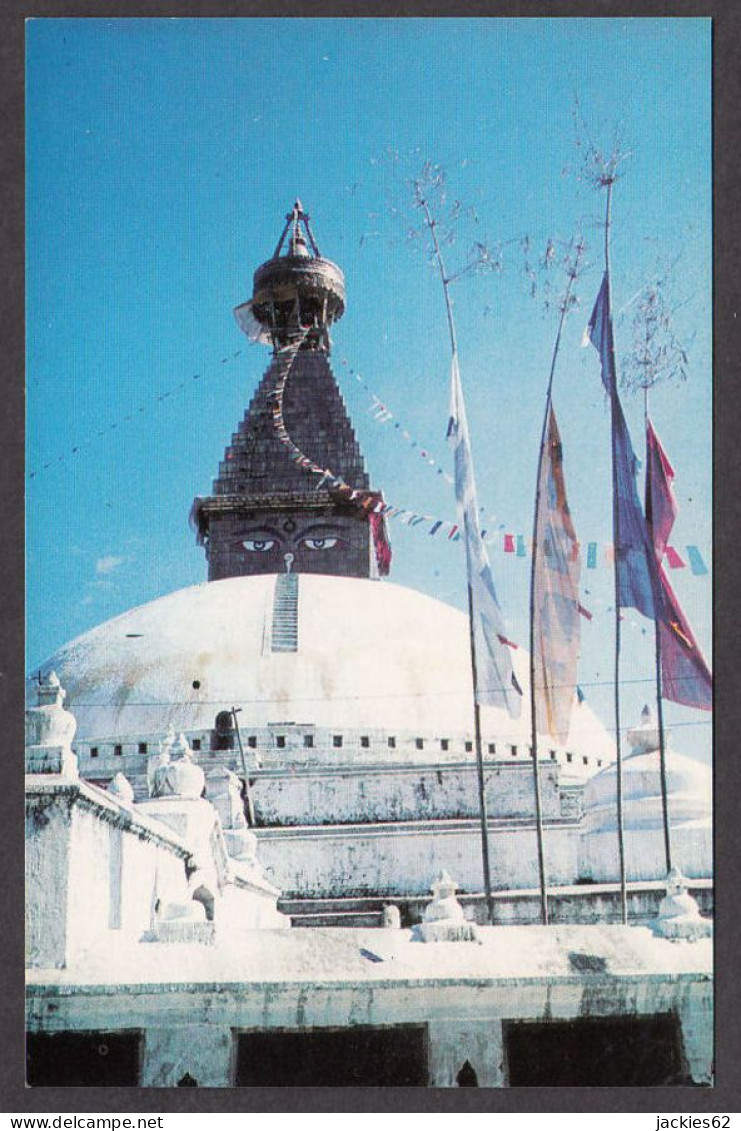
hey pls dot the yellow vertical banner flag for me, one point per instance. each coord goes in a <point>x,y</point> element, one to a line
<point>556,608</point>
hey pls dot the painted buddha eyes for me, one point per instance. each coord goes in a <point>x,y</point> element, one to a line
<point>259,545</point>
<point>319,543</point>
<point>264,545</point>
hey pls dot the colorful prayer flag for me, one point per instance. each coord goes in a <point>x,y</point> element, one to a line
<point>496,684</point>
<point>697,565</point>
<point>685,675</point>
<point>674,559</point>
<point>556,608</point>
<point>661,506</point>
<point>599,333</point>
<point>637,578</point>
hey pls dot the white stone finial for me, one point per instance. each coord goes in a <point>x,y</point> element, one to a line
<point>181,749</point>
<point>49,690</point>
<point>644,738</point>
<point>679,916</point>
<point>168,741</point>
<point>50,730</point>
<point>120,787</point>
<point>444,905</point>
<point>390,916</point>
<point>156,761</point>
<point>444,920</point>
<point>177,776</point>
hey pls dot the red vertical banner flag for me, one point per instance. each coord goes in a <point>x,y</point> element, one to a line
<point>685,675</point>
<point>556,607</point>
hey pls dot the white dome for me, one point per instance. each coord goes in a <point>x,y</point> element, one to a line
<point>689,790</point>
<point>369,655</point>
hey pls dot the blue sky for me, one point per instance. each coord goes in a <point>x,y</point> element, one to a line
<point>162,156</point>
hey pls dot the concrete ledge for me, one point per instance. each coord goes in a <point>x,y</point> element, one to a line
<point>437,826</point>
<point>567,904</point>
<point>46,787</point>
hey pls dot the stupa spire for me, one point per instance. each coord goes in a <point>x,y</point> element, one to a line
<point>265,504</point>
<point>297,294</point>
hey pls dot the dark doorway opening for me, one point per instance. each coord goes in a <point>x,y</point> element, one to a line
<point>87,1060</point>
<point>222,736</point>
<point>467,1077</point>
<point>601,1052</point>
<point>358,1056</point>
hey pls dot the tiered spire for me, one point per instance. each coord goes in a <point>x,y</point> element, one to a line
<point>265,505</point>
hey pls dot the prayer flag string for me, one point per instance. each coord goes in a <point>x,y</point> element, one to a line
<point>135,412</point>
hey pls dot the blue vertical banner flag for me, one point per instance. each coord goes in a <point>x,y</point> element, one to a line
<point>638,583</point>
<point>496,682</point>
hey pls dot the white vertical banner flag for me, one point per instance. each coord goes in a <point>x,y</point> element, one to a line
<point>495,678</point>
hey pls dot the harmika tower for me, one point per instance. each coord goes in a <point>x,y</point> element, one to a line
<point>270,513</point>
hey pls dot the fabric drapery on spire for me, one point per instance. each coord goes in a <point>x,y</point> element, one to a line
<point>250,326</point>
<point>556,607</point>
<point>638,584</point>
<point>685,676</point>
<point>379,534</point>
<point>496,684</point>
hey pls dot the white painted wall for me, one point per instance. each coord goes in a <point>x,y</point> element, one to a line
<point>645,856</point>
<point>398,859</point>
<point>93,872</point>
<point>345,795</point>
<point>193,1029</point>
<point>48,822</point>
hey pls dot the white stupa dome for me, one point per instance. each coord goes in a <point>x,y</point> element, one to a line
<point>368,655</point>
<point>688,784</point>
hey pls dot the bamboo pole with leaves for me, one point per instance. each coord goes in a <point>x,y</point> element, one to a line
<point>656,356</point>
<point>423,203</point>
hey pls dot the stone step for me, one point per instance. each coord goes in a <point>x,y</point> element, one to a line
<point>334,905</point>
<point>285,614</point>
<point>581,903</point>
<point>338,919</point>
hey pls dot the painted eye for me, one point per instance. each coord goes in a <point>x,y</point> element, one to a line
<point>319,543</point>
<point>258,545</point>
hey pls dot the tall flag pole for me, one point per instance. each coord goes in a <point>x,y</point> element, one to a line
<point>682,674</point>
<point>554,596</point>
<point>601,336</point>
<point>637,582</point>
<point>494,681</point>
<point>616,573</point>
<point>654,527</point>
